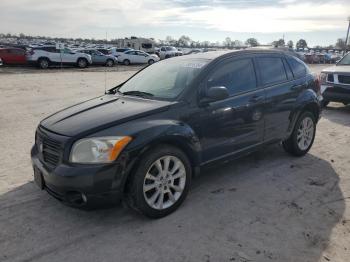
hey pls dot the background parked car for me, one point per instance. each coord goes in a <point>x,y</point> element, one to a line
<point>137,57</point>
<point>118,51</point>
<point>1,62</point>
<point>99,58</point>
<point>45,56</point>
<point>13,56</point>
<point>168,51</point>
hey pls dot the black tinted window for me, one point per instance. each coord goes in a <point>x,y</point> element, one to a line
<point>237,76</point>
<point>298,67</point>
<point>272,70</point>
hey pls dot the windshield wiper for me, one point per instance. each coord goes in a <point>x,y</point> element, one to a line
<point>138,93</point>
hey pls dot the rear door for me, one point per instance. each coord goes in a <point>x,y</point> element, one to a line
<point>281,93</point>
<point>236,123</point>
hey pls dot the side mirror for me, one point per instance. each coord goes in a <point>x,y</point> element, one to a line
<point>215,93</point>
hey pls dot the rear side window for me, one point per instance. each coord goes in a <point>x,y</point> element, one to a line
<point>237,76</point>
<point>298,68</point>
<point>272,70</point>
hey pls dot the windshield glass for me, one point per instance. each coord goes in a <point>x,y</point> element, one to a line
<point>166,79</point>
<point>345,60</point>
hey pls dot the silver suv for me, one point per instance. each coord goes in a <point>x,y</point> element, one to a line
<point>44,56</point>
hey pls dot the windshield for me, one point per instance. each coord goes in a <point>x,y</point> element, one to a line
<point>345,60</point>
<point>164,80</point>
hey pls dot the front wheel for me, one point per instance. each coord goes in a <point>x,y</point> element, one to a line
<point>43,63</point>
<point>324,103</point>
<point>82,63</point>
<point>303,136</point>
<point>161,182</point>
<point>151,61</point>
<point>126,62</point>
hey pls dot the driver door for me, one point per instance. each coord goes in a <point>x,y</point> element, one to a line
<point>234,124</point>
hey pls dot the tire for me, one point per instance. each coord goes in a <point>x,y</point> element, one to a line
<point>150,62</point>
<point>345,103</point>
<point>324,103</point>
<point>126,62</point>
<point>109,63</point>
<point>291,145</point>
<point>148,184</point>
<point>43,63</point>
<point>167,56</point>
<point>82,63</point>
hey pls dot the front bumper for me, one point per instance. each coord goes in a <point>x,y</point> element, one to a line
<point>81,185</point>
<point>337,93</point>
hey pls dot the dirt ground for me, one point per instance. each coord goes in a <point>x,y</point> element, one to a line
<point>268,206</point>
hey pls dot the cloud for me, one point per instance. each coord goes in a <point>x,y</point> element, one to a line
<point>69,18</point>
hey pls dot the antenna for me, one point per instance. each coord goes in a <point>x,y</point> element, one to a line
<point>106,70</point>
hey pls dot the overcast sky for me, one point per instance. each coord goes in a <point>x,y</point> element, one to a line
<point>319,22</point>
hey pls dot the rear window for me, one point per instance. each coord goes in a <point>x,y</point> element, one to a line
<point>298,67</point>
<point>272,70</point>
<point>146,45</point>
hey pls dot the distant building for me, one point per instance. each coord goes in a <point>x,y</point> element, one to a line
<point>144,44</point>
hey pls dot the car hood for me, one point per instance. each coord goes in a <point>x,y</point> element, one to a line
<point>100,113</point>
<point>337,69</point>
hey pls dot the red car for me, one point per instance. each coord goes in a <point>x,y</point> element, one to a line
<point>13,56</point>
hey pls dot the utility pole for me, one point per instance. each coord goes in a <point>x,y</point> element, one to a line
<point>347,35</point>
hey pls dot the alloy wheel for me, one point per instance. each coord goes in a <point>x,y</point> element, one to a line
<point>305,133</point>
<point>164,182</point>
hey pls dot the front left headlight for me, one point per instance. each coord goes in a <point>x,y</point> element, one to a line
<point>98,149</point>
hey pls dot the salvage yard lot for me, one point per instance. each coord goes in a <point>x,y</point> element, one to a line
<point>268,206</point>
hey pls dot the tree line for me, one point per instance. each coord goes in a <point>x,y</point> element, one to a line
<point>186,41</point>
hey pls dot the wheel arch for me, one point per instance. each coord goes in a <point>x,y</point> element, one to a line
<point>180,142</point>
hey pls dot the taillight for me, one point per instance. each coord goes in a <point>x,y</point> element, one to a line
<point>318,82</point>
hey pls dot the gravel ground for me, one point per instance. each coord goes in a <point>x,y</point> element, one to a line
<point>268,206</point>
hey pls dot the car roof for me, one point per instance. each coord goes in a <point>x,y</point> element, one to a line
<point>211,55</point>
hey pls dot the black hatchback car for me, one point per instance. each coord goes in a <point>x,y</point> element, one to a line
<point>146,138</point>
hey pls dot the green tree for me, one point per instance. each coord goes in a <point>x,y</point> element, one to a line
<point>301,44</point>
<point>252,42</point>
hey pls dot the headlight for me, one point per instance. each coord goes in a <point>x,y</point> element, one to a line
<point>98,149</point>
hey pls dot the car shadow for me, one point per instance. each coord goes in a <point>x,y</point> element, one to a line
<point>337,113</point>
<point>263,207</point>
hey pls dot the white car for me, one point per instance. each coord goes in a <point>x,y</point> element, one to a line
<point>44,56</point>
<point>137,57</point>
<point>118,51</point>
<point>168,51</point>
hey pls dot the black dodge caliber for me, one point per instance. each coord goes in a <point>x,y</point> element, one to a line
<point>145,139</point>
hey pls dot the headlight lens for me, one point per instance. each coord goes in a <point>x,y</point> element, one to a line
<point>98,149</point>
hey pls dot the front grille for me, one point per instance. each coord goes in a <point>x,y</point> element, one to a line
<point>344,79</point>
<point>49,148</point>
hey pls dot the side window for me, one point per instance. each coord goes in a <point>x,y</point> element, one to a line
<point>298,68</point>
<point>237,76</point>
<point>163,49</point>
<point>272,70</point>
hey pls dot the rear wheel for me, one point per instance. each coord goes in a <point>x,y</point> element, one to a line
<point>302,138</point>
<point>43,63</point>
<point>126,62</point>
<point>161,182</point>
<point>109,63</point>
<point>82,63</point>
